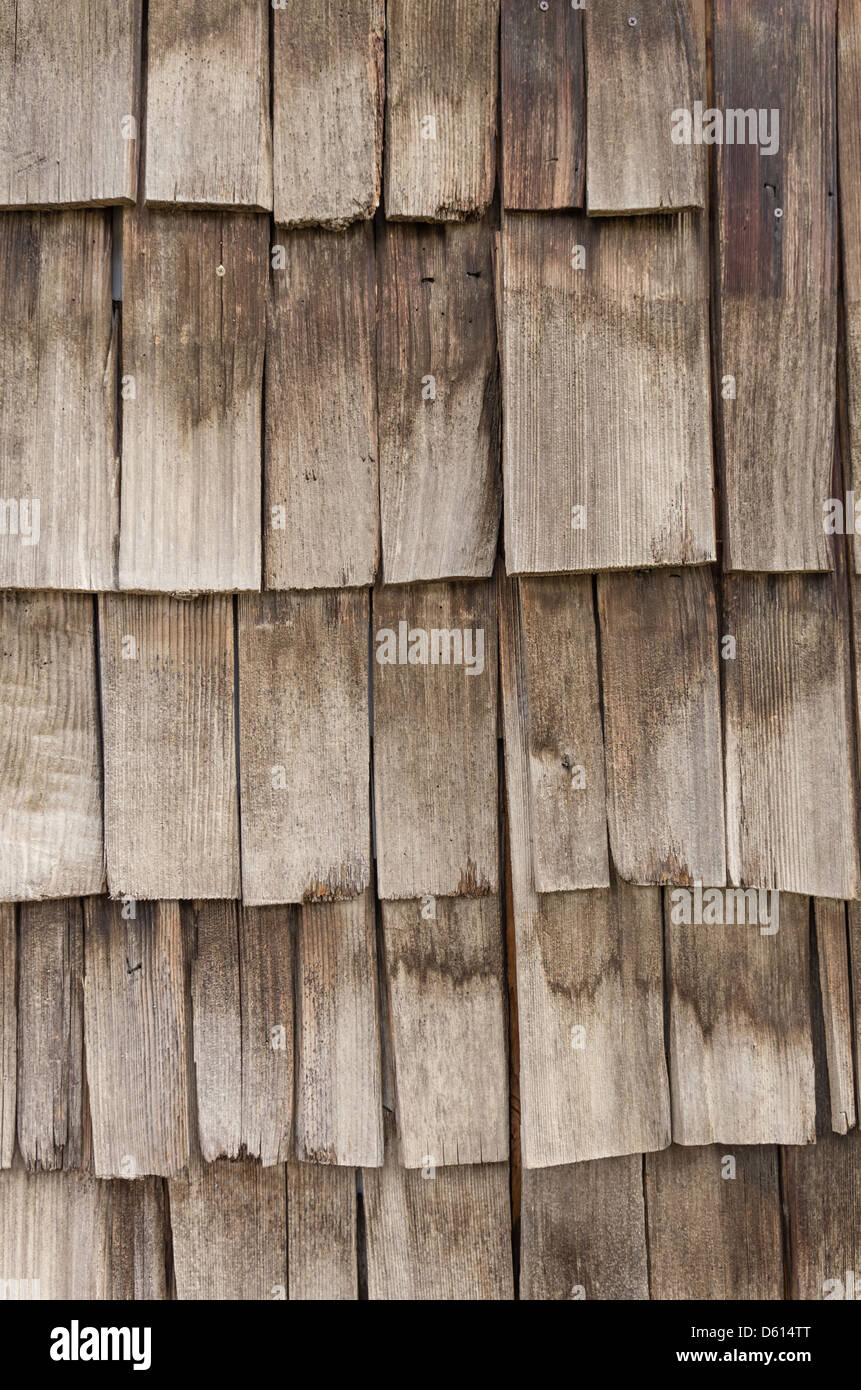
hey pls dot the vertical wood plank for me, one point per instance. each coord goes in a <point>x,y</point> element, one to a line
<point>543,94</point>
<point>51,1035</point>
<point>583,1232</point>
<point>776,227</point>
<point>51,809</point>
<point>662,725</point>
<point>68,123</point>
<point>604,466</point>
<point>740,1045</point>
<point>440,489</point>
<point>714,1223</point>
<point>170,764</point>
<point>304,746</point>
<point>832,948</point>
<point>441,77</point>
<point>8,1032</point>
<point>338,1098</point>
<point>442,1237</point>
<point>138,1263</point>
<point>643,64</point>
<point>435,796</point>
<point>849,148</point>
<point>135,1031</point>
<point>321,1233</point>
<point>229,1223</point>
<point>193,338</point>
<point>59,482</point>
<point>446,995</point>
<point>328,81</point>
<point>208,139</point>
<point>321,487</point>
<point>788,719</point>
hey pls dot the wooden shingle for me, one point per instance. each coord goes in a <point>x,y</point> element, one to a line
<point>208,138</point>
<point>327,110</point>
<point>543,97</point>
<point>321,1233</point>
<point>169,749</point>
<point>776,227</point>
<point>59,470</point>
<point>8,1032</point>
<point>832,948</point>
<point>605,466</point>
<point>321,489</point>
<point>229,1224</point>
<point>849,148</point>
<point>51,805</point>
<point>304,747</point>
<point>440,488</point>
<point>68,119</point>
<point>192,361</point>
<point>441,79</point>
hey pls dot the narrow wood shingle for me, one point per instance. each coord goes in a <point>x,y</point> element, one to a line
<point>790,800</point>
<point>714,1223</point>
<point>169,750</point>
<point>51,1035</point>
<point>441,79</point>
<point>338,1090</point>
<point>832,948</point>
<point>8,1032</point>
<point>605,466</point>
<point>328,94</point>
<point>740,1043</point>
<point>662,725</point>
<point>68,120</point>
<point>446,1003</point>
<point>229,1224</point>
<point>321,487</point>
<point>59,470</point>
<point>583,1231</point>
<point>777,313</point>
<point>304,747</point>
<point>136,1037</point>
<point>543,116</point>
<point>193,338</point>
<point>644,64</point>
<point>849,148</point>
<point>208,138</point>
<point>321,1233</point>
<point>51,805</point>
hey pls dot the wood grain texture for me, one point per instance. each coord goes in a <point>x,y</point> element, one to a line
<point>788,720</point>
<point>208,138</point>
<point>849,150</point>
<point>441,63</point>
<point>440,488</point>
<point>242,996</point>
<point>170,768</point>
<point>605,370</point>
<point>58,362</point>
<point>321,487</point>
<point>51,805</point>
<point>193,339</point>
<point>854,927</point>
<point>51,1104</point>
<point>777,269</point>
<point>69,78</point>
<point>662,725</point>
<point>328,89</point>
<point>441,1237</point>
<point>557,704</point>
<point>583,1233</point>
<point>445,972</point>
<point>832,947</point>
<point>136,1036</point>
<point>338,1097</point>
<point>823,1196</point>
<point>304,746</point>
<point>8,1032</point>
<point>740,1046</point>
<point>435,795</point>
<point>637,74</point>
<point>321,1233</point>
<point>229,1224</point>
<point>543,95</point>
<point>81,1238</point>
<point>714,1236</point>
<point>593,1080</point>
